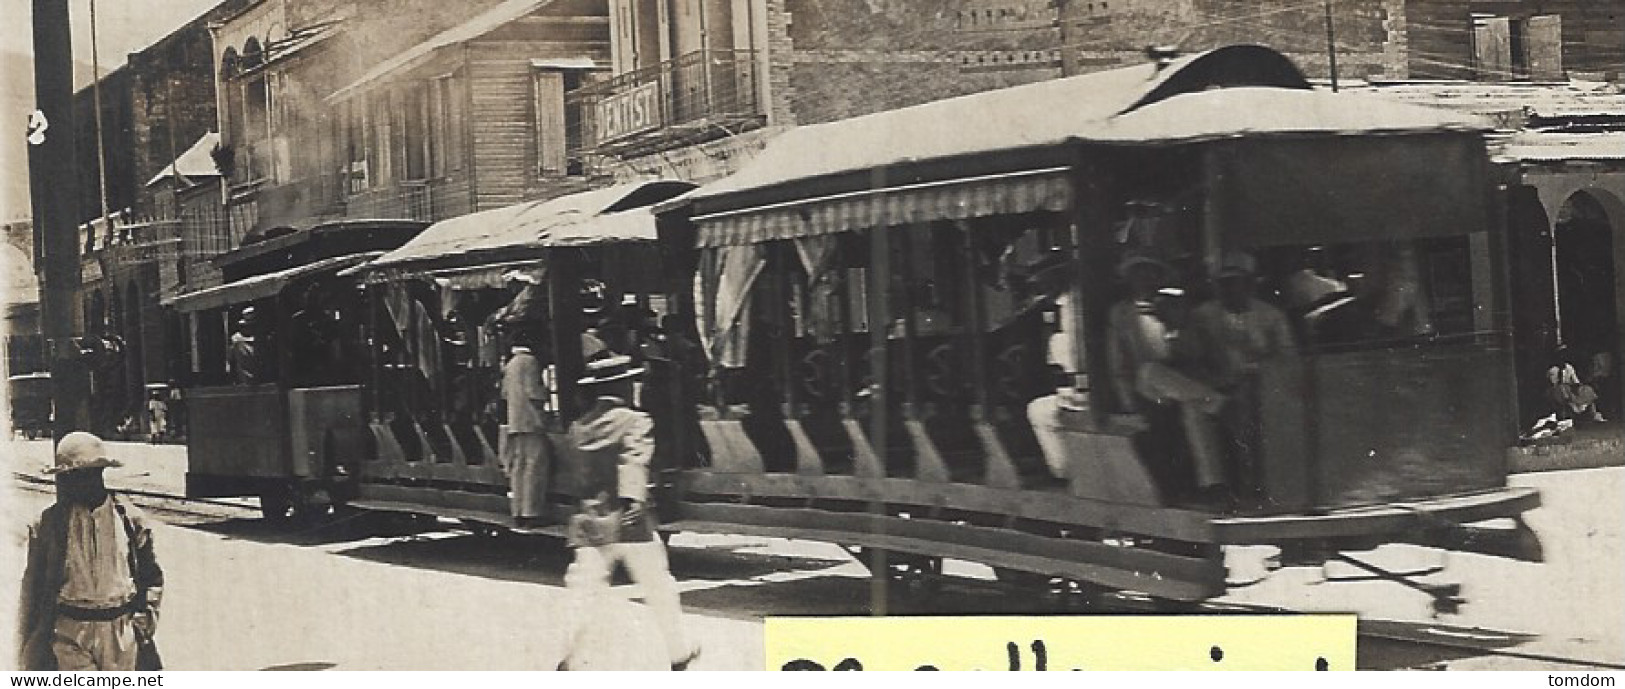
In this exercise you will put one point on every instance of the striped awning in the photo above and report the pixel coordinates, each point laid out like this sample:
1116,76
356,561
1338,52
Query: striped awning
1029,191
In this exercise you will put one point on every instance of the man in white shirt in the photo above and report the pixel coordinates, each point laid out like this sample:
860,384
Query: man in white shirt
92,585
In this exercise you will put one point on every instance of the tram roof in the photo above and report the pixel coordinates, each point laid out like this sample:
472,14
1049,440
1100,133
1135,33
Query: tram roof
1231,92
614,214
261,286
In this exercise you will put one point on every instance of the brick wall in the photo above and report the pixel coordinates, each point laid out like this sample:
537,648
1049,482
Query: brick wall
118,147
852,57
172,97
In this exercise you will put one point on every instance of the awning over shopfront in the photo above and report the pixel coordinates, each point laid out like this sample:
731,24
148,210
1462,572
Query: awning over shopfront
500,238
261,286
1229,93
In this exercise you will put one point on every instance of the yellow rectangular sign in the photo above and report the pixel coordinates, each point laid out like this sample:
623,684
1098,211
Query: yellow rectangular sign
1213,642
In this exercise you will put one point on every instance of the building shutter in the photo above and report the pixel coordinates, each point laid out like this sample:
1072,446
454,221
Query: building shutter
550,128
1543,47
1492,47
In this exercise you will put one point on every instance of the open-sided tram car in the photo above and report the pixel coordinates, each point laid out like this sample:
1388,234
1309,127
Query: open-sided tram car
857,324
277,361
883,299
447,306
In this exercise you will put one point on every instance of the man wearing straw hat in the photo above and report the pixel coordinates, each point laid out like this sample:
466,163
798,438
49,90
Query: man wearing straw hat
92,585
618,526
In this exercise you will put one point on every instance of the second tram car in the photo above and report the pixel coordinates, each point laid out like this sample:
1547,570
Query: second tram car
277,360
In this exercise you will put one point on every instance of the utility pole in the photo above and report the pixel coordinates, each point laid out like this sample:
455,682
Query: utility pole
1063,16
96,102
1331,45
55,192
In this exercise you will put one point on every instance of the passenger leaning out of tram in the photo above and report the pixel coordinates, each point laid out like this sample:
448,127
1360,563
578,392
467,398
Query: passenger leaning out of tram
1139,352
1224,344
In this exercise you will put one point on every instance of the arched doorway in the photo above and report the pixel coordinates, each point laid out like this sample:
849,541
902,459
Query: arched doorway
1587,294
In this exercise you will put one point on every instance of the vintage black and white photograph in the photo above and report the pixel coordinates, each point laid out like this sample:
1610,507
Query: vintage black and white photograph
592,334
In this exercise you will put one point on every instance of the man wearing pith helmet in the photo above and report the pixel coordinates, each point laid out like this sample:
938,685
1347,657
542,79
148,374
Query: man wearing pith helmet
617,527
92,586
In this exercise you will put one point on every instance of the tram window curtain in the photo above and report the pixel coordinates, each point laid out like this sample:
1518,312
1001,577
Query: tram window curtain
1331,189
723,297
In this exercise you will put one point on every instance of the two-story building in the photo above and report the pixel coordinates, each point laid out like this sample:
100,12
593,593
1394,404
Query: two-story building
342,110
474,117
153,108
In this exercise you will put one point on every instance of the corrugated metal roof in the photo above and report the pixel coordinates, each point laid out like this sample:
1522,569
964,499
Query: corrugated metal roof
1553,147
197,161
485,23
1573,99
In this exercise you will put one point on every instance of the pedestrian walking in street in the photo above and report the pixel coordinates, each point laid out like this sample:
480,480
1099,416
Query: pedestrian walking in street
157,416
617,527
524,453
92,585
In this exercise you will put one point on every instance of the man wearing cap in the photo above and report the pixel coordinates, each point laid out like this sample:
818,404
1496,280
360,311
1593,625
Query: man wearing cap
92,585
618,526
1227,340
524,453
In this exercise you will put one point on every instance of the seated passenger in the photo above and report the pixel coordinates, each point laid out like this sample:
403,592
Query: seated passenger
244,360
1311,285
1138,350
1227,341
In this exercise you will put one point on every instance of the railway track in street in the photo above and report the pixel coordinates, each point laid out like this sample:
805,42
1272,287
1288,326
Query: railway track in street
1431,644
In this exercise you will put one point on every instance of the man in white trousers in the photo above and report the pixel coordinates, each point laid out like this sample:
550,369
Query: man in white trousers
618,526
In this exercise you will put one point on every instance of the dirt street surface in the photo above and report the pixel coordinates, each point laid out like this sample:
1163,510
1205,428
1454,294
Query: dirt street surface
374,592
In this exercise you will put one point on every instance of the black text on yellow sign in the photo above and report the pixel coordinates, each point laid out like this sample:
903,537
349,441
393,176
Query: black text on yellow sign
1250,642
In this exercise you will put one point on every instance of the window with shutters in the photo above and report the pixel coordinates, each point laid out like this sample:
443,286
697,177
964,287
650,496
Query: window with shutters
1492,47
558,124
416,113
381,162
359,144
447,102
1543,48
550,127
1509,48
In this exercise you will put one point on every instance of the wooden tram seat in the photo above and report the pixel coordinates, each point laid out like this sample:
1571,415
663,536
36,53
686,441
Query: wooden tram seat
732,451
458,457
430,453
929,464
808,460
1102,462
389,448
489,456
